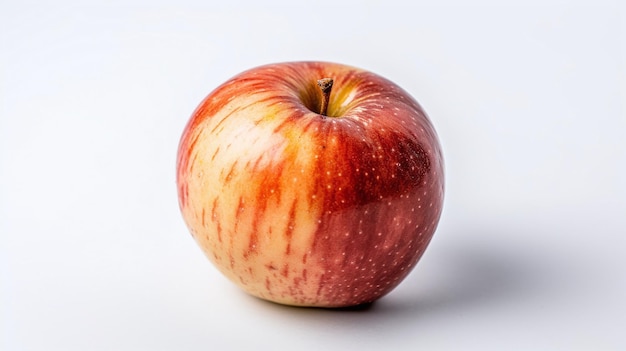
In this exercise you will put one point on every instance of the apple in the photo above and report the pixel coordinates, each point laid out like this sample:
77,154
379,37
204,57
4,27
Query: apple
311,183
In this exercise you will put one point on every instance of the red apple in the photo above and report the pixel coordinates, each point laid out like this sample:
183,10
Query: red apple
311,198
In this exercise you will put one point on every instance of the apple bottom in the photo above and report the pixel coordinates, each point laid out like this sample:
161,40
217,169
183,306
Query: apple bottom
325,259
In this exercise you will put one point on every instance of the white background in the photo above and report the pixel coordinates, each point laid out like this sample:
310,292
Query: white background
529,102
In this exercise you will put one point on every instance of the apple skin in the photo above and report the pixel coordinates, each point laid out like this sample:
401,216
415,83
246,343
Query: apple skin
304,209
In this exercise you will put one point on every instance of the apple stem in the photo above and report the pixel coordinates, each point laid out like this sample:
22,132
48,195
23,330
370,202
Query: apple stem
325,85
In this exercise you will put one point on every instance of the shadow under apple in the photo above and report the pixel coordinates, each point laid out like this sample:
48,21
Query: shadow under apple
462,277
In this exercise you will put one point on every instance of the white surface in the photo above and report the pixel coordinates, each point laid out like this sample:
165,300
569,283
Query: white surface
529,102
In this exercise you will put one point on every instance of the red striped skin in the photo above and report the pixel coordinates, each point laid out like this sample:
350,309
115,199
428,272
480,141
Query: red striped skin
304,209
